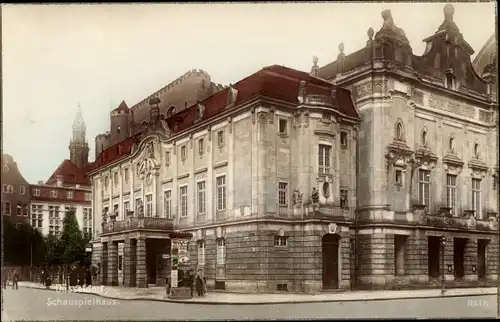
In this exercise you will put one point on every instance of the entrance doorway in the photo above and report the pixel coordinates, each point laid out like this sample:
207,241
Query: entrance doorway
330,254
482,245
151,261
434,256
459,256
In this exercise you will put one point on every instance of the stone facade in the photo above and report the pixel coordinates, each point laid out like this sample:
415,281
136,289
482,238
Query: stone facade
257,186
427,148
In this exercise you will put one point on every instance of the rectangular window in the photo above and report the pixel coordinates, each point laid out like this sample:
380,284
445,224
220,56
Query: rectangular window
167,158
88,196
220,138
201,146
25,211
125,174
324,158
424,185
115,210
53,194
11,188
221,193
200,187
476,197
126,207
70,194
19,209
201,252
137,206
168,204
5,188
22,190
451,193
283,127
184,201
106,182
36,192
183,153
280,240
7,208
343,139
221,251
149,205
283,194
115,178
398,177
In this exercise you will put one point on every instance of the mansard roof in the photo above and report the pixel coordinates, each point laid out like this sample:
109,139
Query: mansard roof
276,82
70,173
447,51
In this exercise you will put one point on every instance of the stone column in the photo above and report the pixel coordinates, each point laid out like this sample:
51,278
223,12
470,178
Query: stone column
127,263
104,264
112,263
141,271
470,260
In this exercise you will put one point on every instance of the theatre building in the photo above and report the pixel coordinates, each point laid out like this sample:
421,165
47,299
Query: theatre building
261,174
428,164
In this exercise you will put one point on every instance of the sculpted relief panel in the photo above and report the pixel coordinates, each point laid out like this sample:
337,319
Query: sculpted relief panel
458,108
366,88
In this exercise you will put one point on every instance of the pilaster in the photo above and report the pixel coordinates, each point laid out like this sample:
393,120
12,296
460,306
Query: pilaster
470,257
112,263
230,170
209,180
141,271
104,264
262,157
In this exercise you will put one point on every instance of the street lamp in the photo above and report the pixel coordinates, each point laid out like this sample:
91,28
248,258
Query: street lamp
443,243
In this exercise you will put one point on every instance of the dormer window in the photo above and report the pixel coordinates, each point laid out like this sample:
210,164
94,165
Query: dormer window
283,127
171,111
199,111
450,81
232,94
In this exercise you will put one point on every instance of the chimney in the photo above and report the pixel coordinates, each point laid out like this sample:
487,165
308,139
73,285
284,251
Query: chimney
59,180
41,183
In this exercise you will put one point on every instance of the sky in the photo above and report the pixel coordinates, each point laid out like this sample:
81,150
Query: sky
58,56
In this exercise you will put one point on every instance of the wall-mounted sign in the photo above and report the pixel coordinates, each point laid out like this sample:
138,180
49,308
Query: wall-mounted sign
165,256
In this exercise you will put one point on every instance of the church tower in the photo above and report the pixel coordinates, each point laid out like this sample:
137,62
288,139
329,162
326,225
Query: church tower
78,146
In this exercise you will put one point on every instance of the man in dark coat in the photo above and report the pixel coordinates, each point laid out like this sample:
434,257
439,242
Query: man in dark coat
199,283
15,279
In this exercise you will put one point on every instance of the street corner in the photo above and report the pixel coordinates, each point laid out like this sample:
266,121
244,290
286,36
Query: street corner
56,302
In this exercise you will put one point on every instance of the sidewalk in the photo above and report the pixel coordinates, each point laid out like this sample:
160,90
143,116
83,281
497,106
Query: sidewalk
158,294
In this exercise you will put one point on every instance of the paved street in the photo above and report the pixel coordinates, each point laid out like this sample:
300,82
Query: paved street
35,304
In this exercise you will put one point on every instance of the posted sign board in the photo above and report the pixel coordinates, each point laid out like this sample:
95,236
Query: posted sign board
174,278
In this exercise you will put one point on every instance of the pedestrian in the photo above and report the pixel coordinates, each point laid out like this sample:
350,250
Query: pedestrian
15,279
199,283
4,278
191,281
88,277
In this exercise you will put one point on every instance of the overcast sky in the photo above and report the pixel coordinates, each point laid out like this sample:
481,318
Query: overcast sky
56,56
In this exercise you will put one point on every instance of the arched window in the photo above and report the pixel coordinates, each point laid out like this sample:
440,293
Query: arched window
399,130
171,111
450,81
476,150
423,139
451,144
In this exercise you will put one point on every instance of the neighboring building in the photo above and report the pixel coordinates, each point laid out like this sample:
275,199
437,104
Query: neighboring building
427,164
68,188
185,91
262,174
486,56
15,192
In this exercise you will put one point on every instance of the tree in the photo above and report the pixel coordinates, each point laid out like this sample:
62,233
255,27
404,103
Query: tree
23,245
71,245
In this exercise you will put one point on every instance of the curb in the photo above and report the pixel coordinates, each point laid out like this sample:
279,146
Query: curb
271,302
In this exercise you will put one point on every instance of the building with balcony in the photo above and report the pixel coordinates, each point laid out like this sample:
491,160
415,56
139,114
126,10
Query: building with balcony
428,159
15,192
262,174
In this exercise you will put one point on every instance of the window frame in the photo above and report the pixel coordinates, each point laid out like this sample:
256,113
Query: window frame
221,193
425,185
476,197
167,203
201,246
324,159
183,201
201,203
282,126
148,209
220,138
221,251
283,193
451,192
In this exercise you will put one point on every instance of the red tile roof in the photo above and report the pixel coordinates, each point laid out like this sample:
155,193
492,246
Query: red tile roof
61,194
275,81
71,174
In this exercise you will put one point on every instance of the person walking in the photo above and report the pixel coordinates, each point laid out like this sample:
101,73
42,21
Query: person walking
15,279
199,283
191,281
5,277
